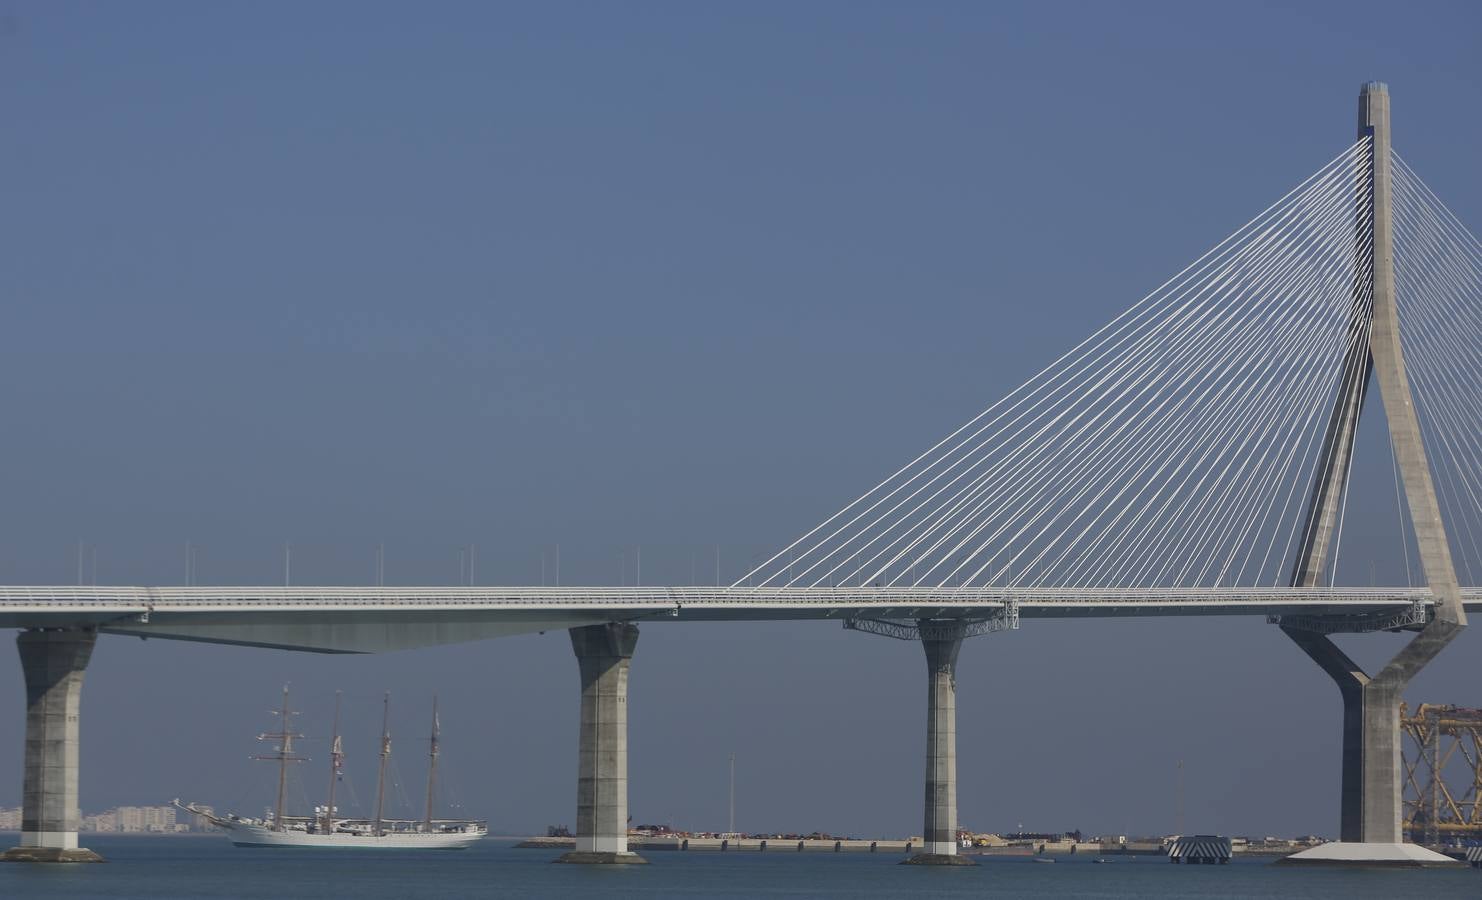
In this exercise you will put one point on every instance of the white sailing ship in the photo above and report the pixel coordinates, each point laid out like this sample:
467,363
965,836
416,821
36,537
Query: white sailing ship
326,827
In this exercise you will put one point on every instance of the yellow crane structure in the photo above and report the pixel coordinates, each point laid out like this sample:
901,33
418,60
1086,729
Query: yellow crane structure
1441,739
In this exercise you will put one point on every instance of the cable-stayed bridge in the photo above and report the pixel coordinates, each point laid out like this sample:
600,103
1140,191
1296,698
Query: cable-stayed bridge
1191,457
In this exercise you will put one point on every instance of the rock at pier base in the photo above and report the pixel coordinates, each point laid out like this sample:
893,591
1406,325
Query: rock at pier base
938,859
1356,855
50,855
587,858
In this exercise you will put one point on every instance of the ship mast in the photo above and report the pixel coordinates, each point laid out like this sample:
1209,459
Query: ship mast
431,768
283,755
336,762
385,755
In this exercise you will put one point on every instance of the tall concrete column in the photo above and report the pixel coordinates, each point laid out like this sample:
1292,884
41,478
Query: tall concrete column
1370,786
52,663
604,654
939,834
1370,831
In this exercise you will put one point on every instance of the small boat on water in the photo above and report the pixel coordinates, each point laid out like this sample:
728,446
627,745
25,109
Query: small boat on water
326,828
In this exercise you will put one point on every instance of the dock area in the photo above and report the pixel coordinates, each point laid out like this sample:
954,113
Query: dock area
739,845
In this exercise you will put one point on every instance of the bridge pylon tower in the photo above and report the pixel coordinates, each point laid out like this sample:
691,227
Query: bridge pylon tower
1370,822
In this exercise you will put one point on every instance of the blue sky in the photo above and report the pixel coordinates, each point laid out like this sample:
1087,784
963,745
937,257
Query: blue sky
662,274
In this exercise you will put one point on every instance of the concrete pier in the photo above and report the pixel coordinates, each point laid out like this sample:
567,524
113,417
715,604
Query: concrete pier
939,839
1370,833
604,654
1370,807
52,662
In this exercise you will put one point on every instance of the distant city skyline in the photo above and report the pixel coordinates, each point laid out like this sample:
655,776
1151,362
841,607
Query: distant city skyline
156,819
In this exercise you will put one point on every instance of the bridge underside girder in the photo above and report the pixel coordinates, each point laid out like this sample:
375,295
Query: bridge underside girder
350,633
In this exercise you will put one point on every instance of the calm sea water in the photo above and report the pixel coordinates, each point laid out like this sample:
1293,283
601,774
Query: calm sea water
209,867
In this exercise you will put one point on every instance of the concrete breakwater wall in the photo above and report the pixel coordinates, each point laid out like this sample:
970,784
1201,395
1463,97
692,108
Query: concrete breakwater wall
740,845
784,845
1042,848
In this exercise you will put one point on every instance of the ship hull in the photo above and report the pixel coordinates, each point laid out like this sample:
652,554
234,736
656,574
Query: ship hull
244,835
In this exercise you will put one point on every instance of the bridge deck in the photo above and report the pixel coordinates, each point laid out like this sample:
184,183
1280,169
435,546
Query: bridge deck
369,619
